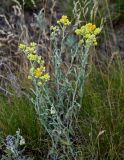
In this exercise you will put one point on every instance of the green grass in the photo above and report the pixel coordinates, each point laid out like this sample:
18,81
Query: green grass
102,115
18,112
120,5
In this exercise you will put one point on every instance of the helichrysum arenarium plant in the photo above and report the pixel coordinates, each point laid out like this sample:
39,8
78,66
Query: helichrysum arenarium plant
58,95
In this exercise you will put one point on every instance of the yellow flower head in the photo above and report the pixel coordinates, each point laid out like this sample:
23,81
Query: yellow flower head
91,27
30,77
78,31
33,44
97,31
22,46
38,72
53,28
64,21
88,33
45,77
42,68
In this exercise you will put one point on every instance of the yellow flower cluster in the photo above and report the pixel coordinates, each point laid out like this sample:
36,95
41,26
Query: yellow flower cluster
54,31
37,73
31,52
88,33
53,28
64,21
